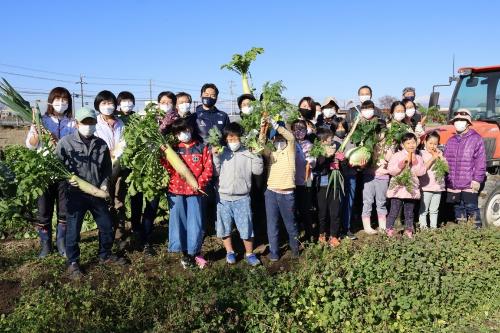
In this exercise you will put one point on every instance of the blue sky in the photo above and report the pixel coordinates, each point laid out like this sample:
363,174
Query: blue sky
318,48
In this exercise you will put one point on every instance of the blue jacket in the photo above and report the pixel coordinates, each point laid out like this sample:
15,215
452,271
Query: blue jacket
205,120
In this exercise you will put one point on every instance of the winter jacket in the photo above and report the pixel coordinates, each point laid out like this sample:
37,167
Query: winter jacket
198,159
428,182
395,169
379,163
206,119
92,164
235,170
467,160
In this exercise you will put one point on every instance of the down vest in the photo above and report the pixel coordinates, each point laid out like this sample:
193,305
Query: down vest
467,160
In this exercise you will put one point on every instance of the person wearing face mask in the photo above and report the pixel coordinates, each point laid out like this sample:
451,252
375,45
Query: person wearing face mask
59,123
307,110
245,104
413,118
183,109
89,158
185,230
304,164
235,167
365,94
208,115
279,196
328,114
399,115
110,128
466,158
409,93
125,105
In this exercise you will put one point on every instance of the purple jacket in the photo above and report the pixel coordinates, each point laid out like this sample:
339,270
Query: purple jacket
467,160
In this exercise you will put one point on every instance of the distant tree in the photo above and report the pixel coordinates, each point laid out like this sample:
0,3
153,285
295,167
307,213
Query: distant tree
386,101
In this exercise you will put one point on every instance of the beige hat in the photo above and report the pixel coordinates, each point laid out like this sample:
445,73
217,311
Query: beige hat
462,114
330,100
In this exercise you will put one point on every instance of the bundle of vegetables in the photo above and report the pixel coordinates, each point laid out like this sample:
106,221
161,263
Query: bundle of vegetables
317,149
440,168
395,133
404,179
432,114
364,136
240,63
251,141
215,139
21,108
143,152
35,171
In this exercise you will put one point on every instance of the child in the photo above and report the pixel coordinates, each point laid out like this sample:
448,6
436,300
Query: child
465,153
375,184
329,199
279,196
235,167
304,164
430,186
185,232
59,123
88,157
400,195
110,128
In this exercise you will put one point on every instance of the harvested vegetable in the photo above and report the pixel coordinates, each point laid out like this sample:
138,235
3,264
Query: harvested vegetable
432,114
395,132
365,137
215,139
358,154
440,168
317,149
240,63
404,179
251,141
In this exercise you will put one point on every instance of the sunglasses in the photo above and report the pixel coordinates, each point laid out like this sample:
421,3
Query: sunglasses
461,113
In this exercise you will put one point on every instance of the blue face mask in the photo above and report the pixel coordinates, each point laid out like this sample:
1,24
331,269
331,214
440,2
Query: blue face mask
208,101
411,98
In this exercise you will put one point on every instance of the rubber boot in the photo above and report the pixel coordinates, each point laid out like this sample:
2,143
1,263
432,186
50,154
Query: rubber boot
45,244
60,237
382,223
367,227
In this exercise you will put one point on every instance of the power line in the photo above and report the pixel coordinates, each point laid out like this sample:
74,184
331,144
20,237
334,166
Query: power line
38,70
36,77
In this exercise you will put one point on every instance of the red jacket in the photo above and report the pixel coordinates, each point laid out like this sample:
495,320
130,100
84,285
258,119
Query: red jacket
198,159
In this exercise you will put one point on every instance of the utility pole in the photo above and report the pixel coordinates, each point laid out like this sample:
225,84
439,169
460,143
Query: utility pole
231,85
150,90
81,87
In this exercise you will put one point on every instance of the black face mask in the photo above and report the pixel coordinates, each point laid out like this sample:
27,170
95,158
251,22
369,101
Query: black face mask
340,134
208,101
307,114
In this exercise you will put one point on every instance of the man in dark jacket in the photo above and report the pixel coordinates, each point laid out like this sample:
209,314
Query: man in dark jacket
88,157
207,114
365,94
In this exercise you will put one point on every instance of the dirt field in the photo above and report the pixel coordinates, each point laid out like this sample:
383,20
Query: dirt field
12,135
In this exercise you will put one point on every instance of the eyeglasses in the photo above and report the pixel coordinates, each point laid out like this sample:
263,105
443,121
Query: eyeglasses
461,113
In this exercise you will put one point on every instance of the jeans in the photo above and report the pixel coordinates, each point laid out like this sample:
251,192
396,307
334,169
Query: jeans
238,211
350,192
328,212
185,229
78,204
408,206
281,204
429,205
468,207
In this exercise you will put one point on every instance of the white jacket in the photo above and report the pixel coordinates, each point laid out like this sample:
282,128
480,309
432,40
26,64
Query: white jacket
112,135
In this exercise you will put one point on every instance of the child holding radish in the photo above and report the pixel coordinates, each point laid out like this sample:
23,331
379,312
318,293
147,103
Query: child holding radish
279,196
89,158
110,128
59,123
405,167
185,232
432,183
235,166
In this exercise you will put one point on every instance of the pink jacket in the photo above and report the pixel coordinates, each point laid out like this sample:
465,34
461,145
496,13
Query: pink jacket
395,169
380,158
428,182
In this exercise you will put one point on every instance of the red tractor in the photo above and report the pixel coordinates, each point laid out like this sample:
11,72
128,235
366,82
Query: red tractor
478,90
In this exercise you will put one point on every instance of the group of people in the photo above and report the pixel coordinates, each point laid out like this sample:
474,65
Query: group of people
241,186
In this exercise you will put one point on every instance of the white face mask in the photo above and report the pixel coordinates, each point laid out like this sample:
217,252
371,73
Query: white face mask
399,116
184,137
166,107
126,106
234,146
364,98
60,107
460,125
183,108
410,112
247,109
280,145
86,130
107,109
328,113
367,113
